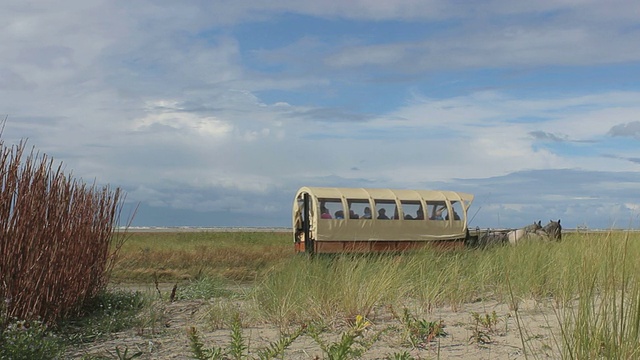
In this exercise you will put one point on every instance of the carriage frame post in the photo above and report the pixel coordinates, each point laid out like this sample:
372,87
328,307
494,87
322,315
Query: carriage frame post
308,243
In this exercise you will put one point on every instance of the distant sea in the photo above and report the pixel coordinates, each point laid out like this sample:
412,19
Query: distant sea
279,229
203,229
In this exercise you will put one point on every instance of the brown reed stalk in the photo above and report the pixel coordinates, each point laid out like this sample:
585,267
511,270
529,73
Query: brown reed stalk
55,237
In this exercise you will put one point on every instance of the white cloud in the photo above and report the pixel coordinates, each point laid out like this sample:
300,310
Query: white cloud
167,115
163,97
635,207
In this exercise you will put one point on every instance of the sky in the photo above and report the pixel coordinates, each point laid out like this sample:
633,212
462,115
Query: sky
214,113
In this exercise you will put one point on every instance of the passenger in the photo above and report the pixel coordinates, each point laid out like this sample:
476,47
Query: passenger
382,215
455,216
353,215
339,214
325,214
437,214
323,207
367,213
419,215
408,217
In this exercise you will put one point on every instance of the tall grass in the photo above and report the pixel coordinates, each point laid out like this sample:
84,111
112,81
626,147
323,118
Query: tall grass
604,320
345,285
55,236
325,289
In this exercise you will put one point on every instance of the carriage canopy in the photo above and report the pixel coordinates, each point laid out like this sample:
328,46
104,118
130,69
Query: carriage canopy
367,214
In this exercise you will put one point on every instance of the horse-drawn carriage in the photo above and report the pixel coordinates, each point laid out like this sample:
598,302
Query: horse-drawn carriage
333,220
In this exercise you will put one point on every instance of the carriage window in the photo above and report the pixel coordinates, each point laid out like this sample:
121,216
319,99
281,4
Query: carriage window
456,211
385,210
331,209
300,207
359,209
412,210
436,210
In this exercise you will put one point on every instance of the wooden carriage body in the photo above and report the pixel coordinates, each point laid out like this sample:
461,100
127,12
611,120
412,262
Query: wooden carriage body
333,220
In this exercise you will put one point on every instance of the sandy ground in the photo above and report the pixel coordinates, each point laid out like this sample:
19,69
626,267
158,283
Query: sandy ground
466,337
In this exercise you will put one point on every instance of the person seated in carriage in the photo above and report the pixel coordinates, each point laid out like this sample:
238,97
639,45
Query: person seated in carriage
455,215
437,213
382,214
367,213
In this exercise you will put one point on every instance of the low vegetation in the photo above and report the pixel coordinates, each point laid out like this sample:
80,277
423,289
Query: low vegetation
589,280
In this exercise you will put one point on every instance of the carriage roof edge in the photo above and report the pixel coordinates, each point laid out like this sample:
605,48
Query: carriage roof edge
385,193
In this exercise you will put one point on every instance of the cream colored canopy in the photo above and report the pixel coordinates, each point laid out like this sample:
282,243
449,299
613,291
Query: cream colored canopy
378,230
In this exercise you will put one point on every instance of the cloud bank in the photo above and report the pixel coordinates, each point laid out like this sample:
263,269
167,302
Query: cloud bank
214,113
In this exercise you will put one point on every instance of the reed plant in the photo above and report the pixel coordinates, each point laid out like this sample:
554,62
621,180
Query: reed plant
56,234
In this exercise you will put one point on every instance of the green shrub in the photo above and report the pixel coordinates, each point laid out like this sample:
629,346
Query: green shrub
29,340
352,344
103,315
203,288
420,331
238,348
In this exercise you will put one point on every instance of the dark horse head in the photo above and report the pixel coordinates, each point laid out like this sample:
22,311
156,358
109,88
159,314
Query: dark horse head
553,229
532,228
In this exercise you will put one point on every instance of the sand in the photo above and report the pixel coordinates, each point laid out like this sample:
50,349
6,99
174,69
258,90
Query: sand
466,338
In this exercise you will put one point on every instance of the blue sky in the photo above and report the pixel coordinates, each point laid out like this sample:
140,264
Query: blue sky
213,113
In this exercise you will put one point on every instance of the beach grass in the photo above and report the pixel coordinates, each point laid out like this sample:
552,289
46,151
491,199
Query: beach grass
588,280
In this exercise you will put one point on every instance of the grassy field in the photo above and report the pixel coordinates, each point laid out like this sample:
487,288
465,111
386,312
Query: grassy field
582,292
179,256
591,278
535,269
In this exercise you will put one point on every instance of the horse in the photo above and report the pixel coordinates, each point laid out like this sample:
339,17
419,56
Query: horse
531,228
531,231
501,237
535,231
553,230
492,237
